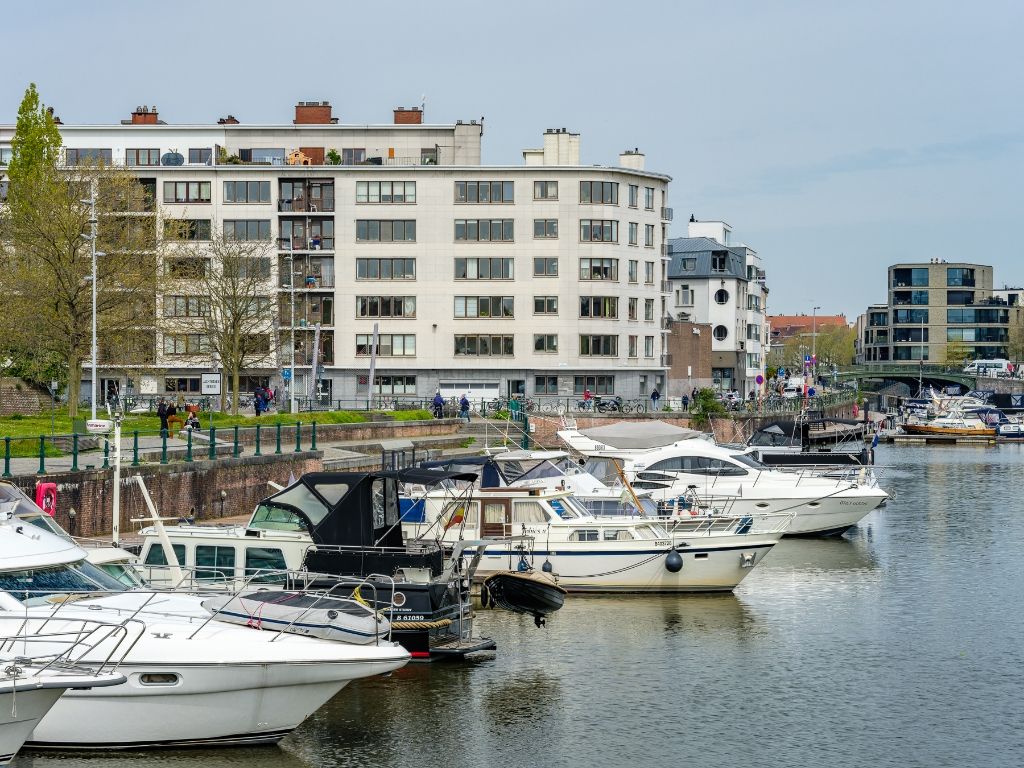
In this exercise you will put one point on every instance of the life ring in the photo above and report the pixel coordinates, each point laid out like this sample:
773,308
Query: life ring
46,498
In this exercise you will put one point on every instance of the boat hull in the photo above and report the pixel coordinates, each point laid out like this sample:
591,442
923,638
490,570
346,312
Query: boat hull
929,429
20,713
525,593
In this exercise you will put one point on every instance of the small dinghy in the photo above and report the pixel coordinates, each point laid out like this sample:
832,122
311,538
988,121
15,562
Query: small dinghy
524,592
301,613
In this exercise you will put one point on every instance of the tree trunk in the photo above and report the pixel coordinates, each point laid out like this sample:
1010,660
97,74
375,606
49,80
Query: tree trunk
234,385
74,385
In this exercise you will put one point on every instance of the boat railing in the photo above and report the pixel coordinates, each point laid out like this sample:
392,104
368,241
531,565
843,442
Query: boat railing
68,645
732,524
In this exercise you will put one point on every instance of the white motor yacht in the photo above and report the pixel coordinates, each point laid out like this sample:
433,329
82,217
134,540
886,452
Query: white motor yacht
191,679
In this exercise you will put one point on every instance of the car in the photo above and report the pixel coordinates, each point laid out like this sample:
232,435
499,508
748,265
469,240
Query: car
791,392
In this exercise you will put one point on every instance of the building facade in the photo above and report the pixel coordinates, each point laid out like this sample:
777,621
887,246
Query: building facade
544,278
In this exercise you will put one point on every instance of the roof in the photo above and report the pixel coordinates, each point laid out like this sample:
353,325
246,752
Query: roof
802,321
700,250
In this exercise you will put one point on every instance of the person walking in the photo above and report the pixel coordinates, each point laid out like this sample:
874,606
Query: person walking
438,405
693,395
588,399
655,397
161,412
464,407
171,415
686,402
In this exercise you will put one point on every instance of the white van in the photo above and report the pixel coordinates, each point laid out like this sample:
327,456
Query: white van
994,368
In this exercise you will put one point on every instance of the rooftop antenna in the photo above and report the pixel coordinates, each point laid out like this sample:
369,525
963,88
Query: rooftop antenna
423,103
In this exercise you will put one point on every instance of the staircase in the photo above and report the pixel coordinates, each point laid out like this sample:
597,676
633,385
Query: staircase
18,396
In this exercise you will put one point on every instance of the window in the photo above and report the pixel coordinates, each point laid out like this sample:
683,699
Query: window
599,346
385,306
484,230
484,192
83,156
631,346
719,262
599,269
917,316
633,229
754,302
182,384
353,156
649,198
186,344
261,563
599,385
633,267
910,277
156,556
649,272
388,345
648,346
215,563
387,384
201,156
649,235
545,305
545,385
186,306
684,296
721,332
648,309
187,191
973,315
482,268
246,229
688,265
385,269
721,296
246,191
484,346
959,297
599,231
545,190
545,342
632,315
142,157
545,267
187,268
484,306
187,229
385,191
545,228
386,230
634,195
960,276
262,155
599,306
599,192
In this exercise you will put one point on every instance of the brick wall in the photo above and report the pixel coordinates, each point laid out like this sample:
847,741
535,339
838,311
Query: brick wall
17,396
410,116
313,113
368,431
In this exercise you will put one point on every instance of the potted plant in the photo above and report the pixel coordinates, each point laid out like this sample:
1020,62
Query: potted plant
333,158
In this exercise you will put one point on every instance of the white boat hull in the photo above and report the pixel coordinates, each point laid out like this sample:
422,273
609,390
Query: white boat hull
20,713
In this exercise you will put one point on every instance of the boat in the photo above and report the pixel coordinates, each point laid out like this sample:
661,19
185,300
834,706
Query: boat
193,680
526,591
958,422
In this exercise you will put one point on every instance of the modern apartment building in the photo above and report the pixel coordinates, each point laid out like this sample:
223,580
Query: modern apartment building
933,304
713,281
543,278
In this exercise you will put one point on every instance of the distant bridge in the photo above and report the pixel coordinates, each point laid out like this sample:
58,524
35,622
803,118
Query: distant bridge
908,373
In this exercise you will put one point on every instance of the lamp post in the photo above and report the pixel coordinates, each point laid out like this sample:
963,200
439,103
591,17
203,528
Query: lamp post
91,237
291,284
814,344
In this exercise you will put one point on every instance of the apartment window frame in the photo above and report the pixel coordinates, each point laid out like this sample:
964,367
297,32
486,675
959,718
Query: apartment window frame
634,195
195,230
385,230
648,198
232,188
386,344
385,307
599,307
369,266
545,305
544,384
141,157
542,190
634,233
545,266
474,344
200,156
599,231
649,272
599,192
484,192
604,269
183,344
474,230
88,155
598,384
484,307
185,192
384,192
599,345
545,343
545,229
470,268
648,235
254,230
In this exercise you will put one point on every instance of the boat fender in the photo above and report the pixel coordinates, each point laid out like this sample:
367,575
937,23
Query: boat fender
485,595
523,566
673,562
547,567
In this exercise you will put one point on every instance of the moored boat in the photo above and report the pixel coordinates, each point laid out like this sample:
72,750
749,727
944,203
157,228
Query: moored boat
526,591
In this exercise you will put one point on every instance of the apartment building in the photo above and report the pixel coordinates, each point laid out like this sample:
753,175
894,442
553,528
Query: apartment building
716,282
543,278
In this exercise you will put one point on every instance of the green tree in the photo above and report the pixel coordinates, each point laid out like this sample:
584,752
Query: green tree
704,407
957,354
35,148
1015,342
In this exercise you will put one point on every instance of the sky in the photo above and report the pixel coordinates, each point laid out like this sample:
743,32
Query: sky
835,138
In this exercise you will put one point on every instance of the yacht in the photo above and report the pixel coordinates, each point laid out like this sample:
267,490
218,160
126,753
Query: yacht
983,421
191,679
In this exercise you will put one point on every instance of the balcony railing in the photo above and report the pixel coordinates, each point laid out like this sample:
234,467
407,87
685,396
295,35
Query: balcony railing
666,361
666,286
307,283
305,243
666,214
307,205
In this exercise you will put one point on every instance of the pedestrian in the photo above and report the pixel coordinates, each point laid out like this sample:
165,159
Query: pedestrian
172,416
438,405
464,407
655,397
693,395
161,412
588,399
686,402
257,401
277,395
751,396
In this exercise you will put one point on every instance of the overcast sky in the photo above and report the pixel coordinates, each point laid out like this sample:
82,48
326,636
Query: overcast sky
836,138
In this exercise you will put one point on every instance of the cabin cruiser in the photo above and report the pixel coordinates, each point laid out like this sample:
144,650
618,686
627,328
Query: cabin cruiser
597,554
981,421
677,471
191,679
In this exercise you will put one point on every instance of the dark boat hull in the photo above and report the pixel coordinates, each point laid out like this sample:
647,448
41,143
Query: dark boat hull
525,593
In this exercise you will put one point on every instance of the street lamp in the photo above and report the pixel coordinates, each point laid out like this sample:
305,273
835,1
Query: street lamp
291,284
91,237
814,345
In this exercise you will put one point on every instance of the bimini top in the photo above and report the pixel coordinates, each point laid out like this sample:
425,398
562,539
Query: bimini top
23,544
639,435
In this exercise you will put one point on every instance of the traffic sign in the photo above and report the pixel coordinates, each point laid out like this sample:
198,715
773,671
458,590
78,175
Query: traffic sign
759,379
810,391
286,374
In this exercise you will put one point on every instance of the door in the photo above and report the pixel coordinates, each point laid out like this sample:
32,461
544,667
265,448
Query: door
497,518
516,388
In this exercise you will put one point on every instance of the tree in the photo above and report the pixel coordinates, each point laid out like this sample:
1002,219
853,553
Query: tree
1015,340
218,300
46,265
957,353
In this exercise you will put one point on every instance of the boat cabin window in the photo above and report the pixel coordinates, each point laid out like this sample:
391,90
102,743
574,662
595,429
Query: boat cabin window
332,492
454,513
541,470
569,508
34,586
303,499
584,534
215,563
264,564
155,555
697,465
384,501
124,573
747,460
611,507
269,517
603,469
619,534
44,521
528,512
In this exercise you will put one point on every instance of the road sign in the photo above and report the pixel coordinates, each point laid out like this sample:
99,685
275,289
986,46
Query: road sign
759,379
210,384
810,391
286,374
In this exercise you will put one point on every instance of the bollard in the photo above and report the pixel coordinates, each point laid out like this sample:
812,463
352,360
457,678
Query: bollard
257,451
188,446
42,455
312,439
236,449
213,442
163,448
106,453
7,457
74,453
298,437
278,439
135,448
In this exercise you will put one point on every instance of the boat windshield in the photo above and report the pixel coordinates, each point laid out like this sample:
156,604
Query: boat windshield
270,517
35,585
568,508
603,469
541,470
747,460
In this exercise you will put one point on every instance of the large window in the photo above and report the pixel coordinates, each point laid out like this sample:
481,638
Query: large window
545,266
599,192
264,564
907,277
649,198
545,305
187,229
649,309
142,157
484,192
87,156
901,298
186,306
545,190
649,235
482,268
634,195
545,385
979,315
599,269
484,346
215,563
353,155
182,384
649,272
545,228
599,231
200,156
959,297
599,346
246,191
648,346
187,191
917,316
385,269
386,384
484,306
598,385
385,191
633,230
186,344
385,306
386,230
388,345
247,229
545,342
960,276
599,306
485,230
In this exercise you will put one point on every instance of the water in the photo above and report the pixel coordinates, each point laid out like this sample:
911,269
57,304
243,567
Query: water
899,645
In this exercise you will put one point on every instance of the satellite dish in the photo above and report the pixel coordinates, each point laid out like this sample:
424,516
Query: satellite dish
172,158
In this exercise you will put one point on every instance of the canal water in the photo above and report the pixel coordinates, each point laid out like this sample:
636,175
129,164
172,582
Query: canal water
901,644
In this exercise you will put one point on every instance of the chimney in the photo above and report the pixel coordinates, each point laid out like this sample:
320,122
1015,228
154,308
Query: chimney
633,159
314,113
144,116
408,116
229,120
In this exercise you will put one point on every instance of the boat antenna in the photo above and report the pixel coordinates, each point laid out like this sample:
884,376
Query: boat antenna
627,485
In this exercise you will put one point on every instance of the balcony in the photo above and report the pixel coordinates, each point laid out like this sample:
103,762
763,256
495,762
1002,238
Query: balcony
305,244
664,249
306,205
666,214
666,361
666,286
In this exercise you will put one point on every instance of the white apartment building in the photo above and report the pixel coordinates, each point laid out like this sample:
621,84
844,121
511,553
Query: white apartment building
715,281
543,278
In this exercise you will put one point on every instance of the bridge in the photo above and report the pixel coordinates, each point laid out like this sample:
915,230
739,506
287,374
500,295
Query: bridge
909,374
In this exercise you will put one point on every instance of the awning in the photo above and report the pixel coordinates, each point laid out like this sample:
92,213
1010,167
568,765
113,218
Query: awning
639,434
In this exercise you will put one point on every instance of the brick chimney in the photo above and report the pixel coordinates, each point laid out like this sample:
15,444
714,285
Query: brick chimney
229,120
408,116
144,116
313,113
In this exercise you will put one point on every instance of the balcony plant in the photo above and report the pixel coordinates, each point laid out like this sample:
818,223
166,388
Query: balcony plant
332,157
